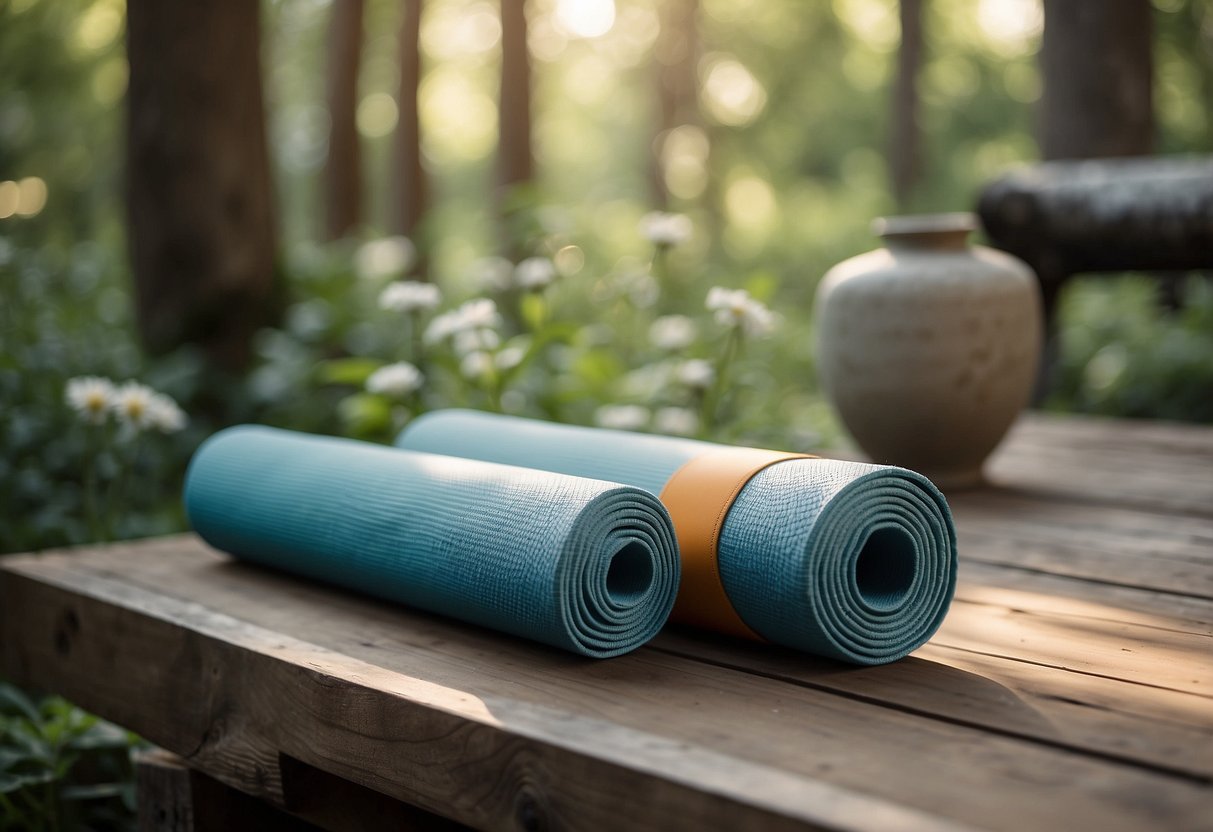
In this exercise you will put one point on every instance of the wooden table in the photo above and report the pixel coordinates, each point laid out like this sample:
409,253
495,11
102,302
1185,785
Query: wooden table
1071,686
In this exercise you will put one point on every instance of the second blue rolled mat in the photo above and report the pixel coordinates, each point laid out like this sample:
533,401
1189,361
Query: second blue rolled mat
848,560
586,565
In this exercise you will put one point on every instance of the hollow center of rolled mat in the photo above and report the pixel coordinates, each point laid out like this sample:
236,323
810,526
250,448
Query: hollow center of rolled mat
630,573
884,570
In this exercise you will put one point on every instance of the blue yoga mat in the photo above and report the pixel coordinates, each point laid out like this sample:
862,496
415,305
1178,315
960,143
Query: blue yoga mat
848,560
586,565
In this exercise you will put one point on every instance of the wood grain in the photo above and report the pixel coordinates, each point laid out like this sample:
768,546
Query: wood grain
1150,466
474,725
1097,543
524,744
1070,685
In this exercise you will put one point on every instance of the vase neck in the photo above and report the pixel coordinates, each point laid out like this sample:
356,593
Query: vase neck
933,232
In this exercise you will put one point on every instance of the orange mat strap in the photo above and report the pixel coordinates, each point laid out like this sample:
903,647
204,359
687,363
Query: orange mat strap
699,497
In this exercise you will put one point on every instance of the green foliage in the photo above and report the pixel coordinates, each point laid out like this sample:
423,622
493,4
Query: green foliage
1123,354
61,768
65,313
781,178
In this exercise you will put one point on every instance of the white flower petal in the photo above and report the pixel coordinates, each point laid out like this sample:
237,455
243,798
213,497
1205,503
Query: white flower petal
664,229
397,379
672,332
622,416
409,296
534,273
387,257
132,404
91,397
697,373
678,421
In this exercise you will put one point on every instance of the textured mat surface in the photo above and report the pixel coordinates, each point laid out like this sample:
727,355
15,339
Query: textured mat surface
586,565
842,559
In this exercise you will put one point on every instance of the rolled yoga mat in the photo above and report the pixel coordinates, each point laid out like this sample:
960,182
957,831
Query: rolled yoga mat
841,559
581,564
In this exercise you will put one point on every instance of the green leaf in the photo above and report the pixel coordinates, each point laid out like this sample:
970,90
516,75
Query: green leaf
762,285
10,757
94,791
353,371
533,307
13,700
597,367
99,735
10,783
365,414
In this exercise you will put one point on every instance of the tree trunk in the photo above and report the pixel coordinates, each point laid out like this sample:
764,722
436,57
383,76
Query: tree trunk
676,54
905,154
200,208
515,162
410,188
1097,67
343,167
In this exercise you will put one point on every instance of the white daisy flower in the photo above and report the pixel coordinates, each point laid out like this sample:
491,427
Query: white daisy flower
480,313
677,421
132,403
91,397
493,274
476,340
475,314
409,296
442,327
662,229
534,274
386,257
476,365
697,373
622,416
164,415
396,380
735,308
672,332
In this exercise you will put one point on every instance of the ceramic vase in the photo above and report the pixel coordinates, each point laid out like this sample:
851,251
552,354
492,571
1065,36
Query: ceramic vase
928,347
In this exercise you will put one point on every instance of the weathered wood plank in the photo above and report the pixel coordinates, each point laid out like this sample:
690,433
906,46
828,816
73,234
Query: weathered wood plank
1100,543
512,751
1164,730
1146,465
174,798
680,742
1102,435
1031,691
1065,595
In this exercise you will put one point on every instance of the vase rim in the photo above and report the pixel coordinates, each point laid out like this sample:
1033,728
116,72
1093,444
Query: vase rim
916,225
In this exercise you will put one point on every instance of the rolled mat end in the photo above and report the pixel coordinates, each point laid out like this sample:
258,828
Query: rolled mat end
877,568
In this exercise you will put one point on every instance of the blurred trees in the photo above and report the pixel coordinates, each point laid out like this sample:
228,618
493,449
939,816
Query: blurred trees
1097,64
676,54
904,138
410,185
515,159
343,165
790,148
201,228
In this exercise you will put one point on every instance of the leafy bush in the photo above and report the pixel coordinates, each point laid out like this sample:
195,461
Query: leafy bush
61,768
67,313
1123,354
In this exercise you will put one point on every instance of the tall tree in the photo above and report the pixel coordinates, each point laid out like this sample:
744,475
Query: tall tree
410,187
343,166
676,55
515,160
905,137
1097,66
202,232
